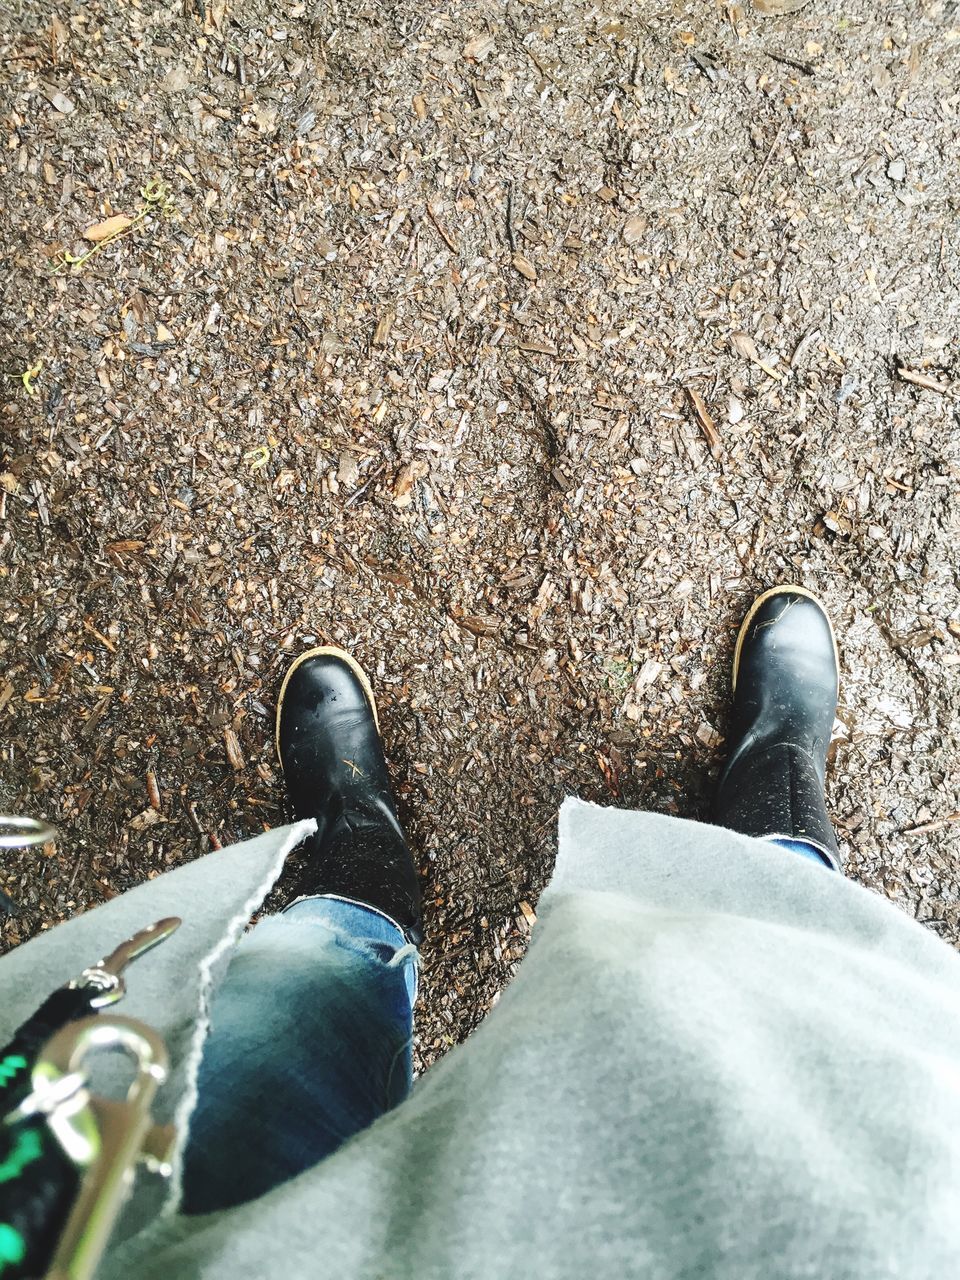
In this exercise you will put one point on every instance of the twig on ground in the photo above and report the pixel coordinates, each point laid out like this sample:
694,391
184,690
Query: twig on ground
937,824
769,156
807,68
922,379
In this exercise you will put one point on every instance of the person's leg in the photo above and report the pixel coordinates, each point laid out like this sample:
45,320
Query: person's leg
310,1042
311,1030
785,683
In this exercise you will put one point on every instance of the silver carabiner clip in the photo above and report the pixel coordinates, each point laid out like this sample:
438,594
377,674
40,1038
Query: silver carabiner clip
104,1138
106,976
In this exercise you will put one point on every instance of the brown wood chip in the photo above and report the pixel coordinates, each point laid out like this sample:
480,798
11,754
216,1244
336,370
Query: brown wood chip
232,744
109,227
707,424
526,269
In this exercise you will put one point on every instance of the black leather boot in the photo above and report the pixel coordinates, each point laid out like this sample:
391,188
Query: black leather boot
785,681
328,740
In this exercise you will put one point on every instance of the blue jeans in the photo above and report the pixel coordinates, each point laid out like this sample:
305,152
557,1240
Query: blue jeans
295,1065
802,847
284,1081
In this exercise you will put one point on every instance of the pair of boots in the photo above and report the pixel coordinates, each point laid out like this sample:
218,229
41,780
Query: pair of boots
785,678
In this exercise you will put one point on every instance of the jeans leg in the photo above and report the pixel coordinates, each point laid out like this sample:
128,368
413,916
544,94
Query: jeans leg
802,847
310,1042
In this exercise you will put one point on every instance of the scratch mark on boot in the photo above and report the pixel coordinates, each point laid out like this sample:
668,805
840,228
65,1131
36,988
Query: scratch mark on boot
772,622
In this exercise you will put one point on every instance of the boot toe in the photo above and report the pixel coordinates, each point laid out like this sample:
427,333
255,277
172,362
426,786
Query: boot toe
787,634
325,697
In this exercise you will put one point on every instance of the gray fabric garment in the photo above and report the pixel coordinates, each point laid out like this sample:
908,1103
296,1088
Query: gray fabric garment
717,1060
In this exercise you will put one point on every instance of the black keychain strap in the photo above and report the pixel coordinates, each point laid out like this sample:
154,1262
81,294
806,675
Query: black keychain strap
65,1005
38,1180
38,1184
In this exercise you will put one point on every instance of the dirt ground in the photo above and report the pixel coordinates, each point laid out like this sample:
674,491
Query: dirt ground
513,346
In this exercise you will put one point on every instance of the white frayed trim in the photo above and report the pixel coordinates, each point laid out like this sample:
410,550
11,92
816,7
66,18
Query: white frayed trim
228,939
405,951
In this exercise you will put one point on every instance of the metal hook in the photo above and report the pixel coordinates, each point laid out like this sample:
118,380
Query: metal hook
106,975
103,1137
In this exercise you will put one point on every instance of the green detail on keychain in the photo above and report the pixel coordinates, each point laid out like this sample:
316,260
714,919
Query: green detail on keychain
10,1067
13,1247
27,1150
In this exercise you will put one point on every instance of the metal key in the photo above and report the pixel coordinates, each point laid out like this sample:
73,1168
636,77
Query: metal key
106,976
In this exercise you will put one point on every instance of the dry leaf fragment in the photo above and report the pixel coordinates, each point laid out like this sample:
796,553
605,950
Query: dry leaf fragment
635,228
745,346
164,334
149,818
479,47
773,8
419,106
59,35
109,227
540,347
837,523
403,485
478,625
61,103
266,117
526,269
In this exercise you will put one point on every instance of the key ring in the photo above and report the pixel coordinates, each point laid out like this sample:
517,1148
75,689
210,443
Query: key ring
24,833
21,833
